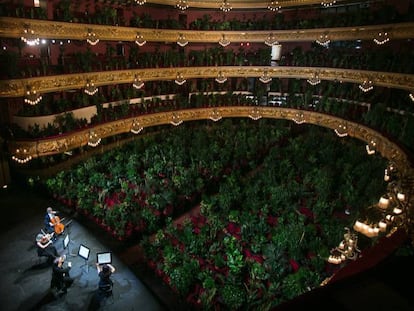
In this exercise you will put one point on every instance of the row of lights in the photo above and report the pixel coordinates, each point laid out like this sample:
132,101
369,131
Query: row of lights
33,98
341,130
392,211
22,156
346,250
93,39
182,41
327,4
392,208
225,6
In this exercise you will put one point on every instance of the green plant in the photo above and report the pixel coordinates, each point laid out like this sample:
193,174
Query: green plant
233,296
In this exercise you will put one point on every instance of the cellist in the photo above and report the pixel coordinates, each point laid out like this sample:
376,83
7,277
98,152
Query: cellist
52,222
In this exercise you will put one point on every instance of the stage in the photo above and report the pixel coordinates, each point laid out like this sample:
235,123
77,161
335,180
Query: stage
25,277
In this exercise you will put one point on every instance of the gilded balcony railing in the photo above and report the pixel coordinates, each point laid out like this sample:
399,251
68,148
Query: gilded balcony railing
69,141
47,84
17,27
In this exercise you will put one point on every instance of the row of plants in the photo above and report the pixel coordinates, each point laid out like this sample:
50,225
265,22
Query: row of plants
264,237
150,180
341,55
315,19
339,99
113,14
345,55
272,197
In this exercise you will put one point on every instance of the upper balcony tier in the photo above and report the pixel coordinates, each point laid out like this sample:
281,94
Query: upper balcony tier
33,29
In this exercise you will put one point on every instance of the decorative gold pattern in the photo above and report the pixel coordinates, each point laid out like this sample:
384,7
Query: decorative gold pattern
14,28
75,140
46,84
239,4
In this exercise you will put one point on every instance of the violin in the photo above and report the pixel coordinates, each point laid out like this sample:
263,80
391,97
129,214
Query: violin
47,236
57,225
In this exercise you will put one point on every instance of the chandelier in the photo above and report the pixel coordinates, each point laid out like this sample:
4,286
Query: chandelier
346,250
94,140
366,86
182,5
381,38
341,130
299,118
314,80
370,147
136,128
265,78
221,78
181,41
323,40
32,97
176,120
274,6
180,79
139,39
271,40
225,6
255,114
29,37
215,115
223,41
90,88
21,156
138,83
327,4
91,37
140,2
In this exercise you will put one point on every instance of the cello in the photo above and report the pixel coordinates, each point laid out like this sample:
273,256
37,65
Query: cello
57,225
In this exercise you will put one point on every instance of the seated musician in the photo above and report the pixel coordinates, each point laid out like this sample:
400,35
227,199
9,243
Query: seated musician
104,272
105,283
45,246
49,225
52,223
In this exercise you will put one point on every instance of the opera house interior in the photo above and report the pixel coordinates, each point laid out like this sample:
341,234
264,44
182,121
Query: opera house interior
221,154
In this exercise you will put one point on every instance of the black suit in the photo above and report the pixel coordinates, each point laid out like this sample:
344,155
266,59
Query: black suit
61,278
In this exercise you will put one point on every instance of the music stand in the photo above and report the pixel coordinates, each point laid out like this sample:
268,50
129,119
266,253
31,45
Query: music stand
84,253
104,258
66,244
68,228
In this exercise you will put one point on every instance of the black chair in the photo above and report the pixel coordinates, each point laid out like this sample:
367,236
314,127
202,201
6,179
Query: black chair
42,259
105,291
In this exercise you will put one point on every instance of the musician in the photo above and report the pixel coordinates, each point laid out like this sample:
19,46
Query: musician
53,223
61,279
45,246
104,286
49,225
105,283
104,272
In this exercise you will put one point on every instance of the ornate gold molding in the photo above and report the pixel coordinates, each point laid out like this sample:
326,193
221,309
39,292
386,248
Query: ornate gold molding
14,28
241,4
47,84
69,141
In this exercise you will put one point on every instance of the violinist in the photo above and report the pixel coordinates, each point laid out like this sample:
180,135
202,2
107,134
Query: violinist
45,246
60,274
52,222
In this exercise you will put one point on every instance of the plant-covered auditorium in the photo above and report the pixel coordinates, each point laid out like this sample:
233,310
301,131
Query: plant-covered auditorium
220,154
